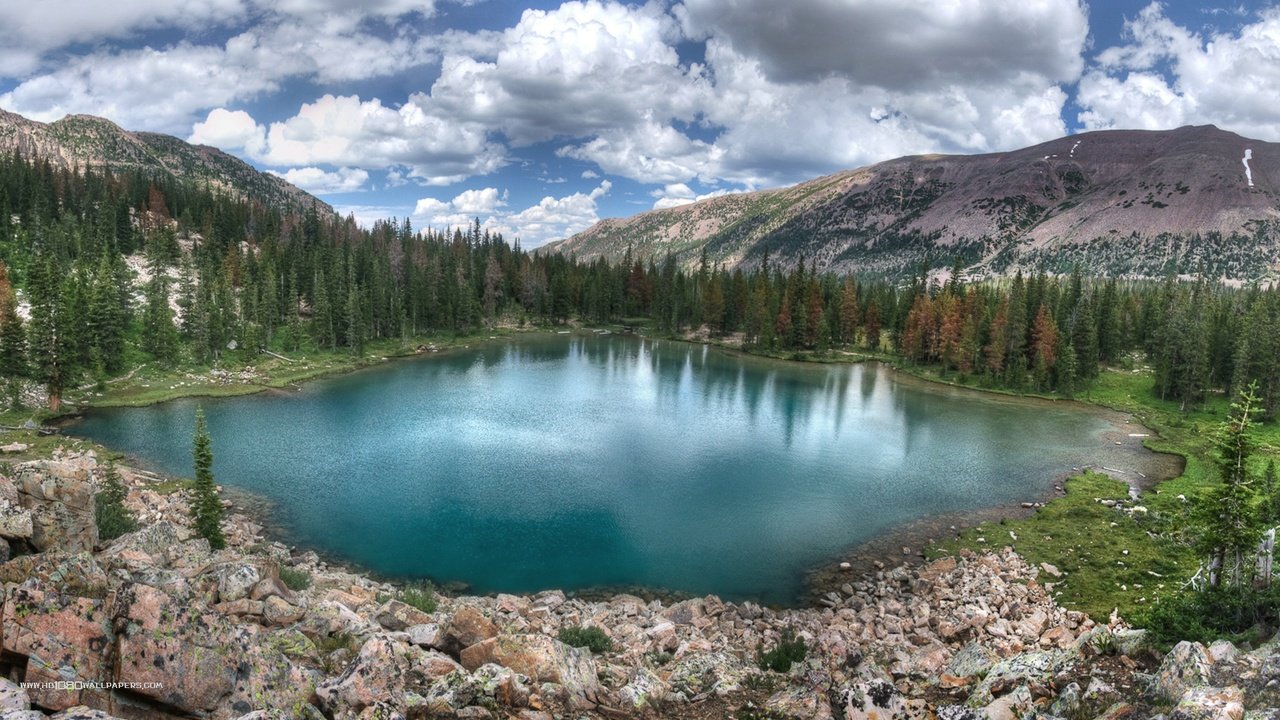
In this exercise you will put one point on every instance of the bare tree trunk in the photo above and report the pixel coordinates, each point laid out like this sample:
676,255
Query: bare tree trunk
1215,567
1266,558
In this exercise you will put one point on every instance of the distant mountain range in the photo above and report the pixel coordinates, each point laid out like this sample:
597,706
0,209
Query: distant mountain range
1115,202
79,141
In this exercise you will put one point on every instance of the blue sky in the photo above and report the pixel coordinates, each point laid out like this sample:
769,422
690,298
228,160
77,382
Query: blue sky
540,118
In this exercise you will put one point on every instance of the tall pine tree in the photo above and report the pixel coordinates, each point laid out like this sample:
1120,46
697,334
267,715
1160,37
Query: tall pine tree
206,506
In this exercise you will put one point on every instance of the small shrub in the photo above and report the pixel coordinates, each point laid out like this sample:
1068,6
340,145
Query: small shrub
790,649
422,597
592,638
761,682
659,658
334,642
295,579
1212,614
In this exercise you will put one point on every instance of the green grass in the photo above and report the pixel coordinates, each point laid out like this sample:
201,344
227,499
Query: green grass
295,579
1087,541
422,597
592,638
789,650
151,383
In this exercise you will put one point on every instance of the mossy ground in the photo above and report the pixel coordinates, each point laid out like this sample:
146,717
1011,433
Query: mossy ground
1116,558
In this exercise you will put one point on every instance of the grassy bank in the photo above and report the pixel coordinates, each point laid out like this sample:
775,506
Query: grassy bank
1123,554
150,384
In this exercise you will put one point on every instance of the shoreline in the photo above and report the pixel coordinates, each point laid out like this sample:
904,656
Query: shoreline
905,543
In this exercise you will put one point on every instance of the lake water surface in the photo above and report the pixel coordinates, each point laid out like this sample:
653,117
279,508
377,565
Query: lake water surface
586,461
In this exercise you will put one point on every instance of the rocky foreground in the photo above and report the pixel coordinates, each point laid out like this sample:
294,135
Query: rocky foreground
154,625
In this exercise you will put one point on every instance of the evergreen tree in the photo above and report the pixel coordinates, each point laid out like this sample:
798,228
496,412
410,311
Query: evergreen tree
1229,520
1270,509
113,518
45,342
13,342
159,335
206,505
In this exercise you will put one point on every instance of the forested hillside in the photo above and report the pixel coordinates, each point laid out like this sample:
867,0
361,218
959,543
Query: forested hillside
104,271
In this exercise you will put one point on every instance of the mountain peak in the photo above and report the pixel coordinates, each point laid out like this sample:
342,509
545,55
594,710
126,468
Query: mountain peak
1115,202
78,141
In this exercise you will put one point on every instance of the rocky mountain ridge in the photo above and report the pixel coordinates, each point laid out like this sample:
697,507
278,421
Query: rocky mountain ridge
1115,202
80,141
155,625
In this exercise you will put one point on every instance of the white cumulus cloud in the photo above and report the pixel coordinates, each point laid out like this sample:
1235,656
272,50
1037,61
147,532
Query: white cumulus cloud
1166,75
316,180
550,219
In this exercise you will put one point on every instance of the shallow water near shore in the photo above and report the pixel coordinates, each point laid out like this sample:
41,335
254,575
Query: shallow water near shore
585,461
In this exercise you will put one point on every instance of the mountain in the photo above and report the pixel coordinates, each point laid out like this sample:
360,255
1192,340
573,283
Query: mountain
1115,202
88,141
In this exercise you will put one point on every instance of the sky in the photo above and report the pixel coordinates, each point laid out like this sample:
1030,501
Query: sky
540,118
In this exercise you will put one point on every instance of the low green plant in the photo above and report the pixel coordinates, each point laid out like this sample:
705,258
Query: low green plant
1212,614
592,638
337,641
421,596
761,682
295,579
790,649
659,658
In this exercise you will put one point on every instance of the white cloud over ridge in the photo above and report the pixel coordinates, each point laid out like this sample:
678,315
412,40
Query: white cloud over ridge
316,180
550,219
1227,79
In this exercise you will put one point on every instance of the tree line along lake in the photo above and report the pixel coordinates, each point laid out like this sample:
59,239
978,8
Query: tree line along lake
585,461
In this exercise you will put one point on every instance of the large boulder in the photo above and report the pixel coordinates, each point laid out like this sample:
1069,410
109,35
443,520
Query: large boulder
543,659
59,496
59,618
1186,666
178,654
466,628
384,670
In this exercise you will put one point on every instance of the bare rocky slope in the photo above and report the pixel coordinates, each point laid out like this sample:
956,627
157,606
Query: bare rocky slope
1116,202
155,625
81,141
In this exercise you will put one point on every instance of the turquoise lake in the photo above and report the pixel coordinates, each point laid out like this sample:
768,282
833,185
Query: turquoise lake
586,461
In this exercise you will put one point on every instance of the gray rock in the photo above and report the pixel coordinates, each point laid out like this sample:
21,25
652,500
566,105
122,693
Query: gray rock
972,660
1210,703
643,691
1038,667
1186,666
425,635
13,697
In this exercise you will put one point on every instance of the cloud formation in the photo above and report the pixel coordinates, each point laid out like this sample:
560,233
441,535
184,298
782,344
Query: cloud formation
550,219
315,180
1167,75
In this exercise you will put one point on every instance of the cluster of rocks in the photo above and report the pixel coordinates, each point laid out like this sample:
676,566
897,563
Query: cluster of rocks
156,625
